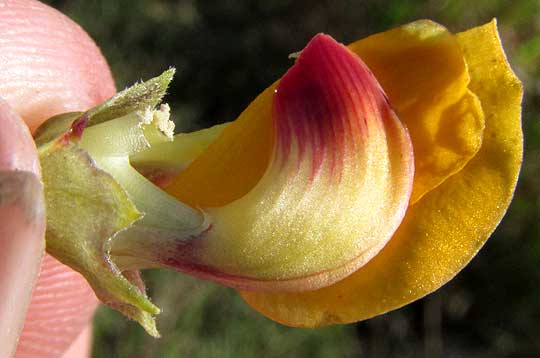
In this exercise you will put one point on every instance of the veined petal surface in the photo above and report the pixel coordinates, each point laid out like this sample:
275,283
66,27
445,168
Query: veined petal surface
336,187
443,231
421,67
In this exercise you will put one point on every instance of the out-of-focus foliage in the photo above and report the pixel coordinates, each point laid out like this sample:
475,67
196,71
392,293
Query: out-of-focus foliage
226,52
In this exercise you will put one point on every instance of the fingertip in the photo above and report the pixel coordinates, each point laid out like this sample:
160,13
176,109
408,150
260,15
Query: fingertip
22,217
17,148
62,306
82,346
49,63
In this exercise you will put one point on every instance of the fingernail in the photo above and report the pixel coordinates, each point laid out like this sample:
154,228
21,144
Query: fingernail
22,225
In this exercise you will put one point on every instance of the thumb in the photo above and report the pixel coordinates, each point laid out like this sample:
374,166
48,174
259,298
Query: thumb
49,65
22,225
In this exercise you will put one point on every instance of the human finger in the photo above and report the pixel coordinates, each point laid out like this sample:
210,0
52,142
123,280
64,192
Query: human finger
49,66
22,224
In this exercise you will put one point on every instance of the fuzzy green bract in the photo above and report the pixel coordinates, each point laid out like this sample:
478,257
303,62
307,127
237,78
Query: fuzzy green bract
87,207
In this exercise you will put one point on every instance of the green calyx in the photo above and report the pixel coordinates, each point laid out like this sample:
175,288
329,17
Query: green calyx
94,196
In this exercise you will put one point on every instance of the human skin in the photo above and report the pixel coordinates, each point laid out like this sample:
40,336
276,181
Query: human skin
48,65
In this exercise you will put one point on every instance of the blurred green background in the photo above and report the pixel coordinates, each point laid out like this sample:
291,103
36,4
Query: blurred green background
226,52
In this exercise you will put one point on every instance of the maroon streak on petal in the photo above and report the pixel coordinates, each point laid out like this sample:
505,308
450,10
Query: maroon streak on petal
325,104
77,128
335,190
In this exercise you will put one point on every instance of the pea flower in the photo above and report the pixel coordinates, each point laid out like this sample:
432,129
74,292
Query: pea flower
364,179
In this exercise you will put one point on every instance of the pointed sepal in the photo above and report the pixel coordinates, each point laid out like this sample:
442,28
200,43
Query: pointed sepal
86,206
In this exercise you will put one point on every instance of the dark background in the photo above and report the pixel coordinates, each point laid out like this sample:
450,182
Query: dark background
226,52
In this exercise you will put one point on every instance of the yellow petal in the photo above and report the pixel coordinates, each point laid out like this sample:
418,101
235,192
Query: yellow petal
167,159
336,188
421,68
444,230
230,167
422,56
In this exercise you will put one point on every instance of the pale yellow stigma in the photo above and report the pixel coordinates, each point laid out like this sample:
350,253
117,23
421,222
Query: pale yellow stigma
160,118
